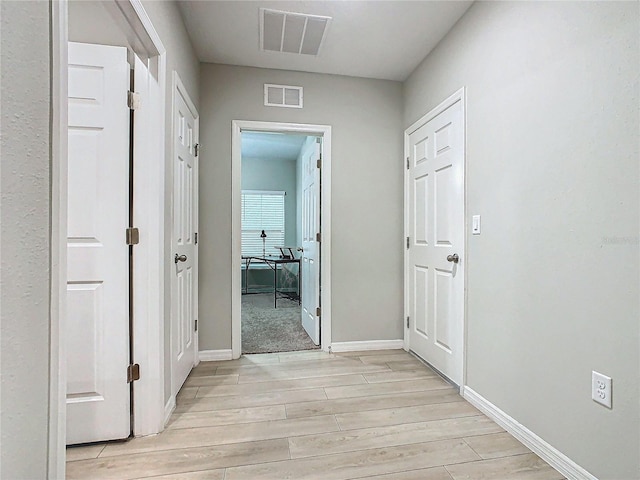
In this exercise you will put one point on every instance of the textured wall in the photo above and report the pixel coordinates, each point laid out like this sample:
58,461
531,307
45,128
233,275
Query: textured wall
365,116
25,221
552,162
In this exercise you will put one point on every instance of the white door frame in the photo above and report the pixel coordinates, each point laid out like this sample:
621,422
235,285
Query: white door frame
236,222
178,88
459,95
149,262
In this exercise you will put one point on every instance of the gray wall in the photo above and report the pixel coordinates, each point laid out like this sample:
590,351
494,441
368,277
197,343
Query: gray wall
93,22
25,221
552,162
276,175
167,21
367,193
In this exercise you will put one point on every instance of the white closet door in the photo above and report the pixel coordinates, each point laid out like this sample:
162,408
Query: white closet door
97,330
436,232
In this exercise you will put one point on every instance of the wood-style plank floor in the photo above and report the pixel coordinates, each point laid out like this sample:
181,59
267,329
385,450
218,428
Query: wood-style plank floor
312,415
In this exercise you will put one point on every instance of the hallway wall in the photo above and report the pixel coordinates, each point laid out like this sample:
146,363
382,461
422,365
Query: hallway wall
365,116
26,243
552,167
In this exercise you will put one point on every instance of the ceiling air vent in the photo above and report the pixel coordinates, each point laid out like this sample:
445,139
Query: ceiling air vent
292,32
282,96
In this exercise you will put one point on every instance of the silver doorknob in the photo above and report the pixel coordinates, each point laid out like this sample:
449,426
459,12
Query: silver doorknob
180,258
453,258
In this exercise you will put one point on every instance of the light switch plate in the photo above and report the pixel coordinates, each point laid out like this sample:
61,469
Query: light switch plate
475,225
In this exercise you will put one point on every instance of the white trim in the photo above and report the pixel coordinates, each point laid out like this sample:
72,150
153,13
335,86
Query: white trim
544,450
236,223
459,95
367,345
215,355
149,33
442,106
169,408
149,296
59,139
178,88
148,299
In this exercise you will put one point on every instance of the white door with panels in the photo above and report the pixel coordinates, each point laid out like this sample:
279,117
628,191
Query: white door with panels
184,237
435,243
97,338
310,261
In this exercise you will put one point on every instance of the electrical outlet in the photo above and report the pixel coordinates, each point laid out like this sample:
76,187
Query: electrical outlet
601,388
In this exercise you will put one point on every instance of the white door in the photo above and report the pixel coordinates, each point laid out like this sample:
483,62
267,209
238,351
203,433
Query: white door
184,255
436,232
310,264
98,257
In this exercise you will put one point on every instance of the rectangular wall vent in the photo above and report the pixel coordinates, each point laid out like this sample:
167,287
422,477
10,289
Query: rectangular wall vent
282,96
292,32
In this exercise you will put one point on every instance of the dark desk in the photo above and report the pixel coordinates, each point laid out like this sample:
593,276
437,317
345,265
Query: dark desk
273,263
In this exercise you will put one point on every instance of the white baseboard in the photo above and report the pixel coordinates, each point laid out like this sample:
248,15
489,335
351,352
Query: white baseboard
367,345
169,408
214,355
544,450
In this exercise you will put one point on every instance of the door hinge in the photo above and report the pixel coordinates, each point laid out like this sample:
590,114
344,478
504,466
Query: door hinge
407,163
319,163
407,242
318,312
195,235
196,325
132,236
133,373
196,149
318,237
407,322
133,100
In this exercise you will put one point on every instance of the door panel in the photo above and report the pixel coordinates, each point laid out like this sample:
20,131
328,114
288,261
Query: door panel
184,229
310,254
436,230
98,258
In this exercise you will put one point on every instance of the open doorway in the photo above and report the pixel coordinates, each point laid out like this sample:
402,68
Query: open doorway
278,209
318,233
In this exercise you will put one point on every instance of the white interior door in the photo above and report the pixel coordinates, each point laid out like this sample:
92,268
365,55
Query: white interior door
97,327
185,217
310,265
436,232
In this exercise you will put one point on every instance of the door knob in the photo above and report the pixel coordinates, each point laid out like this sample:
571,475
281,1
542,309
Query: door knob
180,258
453,258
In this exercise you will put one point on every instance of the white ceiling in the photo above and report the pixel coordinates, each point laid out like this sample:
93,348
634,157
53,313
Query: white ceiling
372,39
271,146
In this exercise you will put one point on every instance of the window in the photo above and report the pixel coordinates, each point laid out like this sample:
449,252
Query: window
262,210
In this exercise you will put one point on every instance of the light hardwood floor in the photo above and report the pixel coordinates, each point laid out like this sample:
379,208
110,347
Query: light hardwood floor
378,415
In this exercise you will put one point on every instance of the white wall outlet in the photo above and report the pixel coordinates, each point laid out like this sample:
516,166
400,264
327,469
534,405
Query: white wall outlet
601,388
475,225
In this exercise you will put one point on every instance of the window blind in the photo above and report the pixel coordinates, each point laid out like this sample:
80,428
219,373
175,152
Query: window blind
262,210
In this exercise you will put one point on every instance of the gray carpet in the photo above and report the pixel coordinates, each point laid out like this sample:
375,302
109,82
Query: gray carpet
266,329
